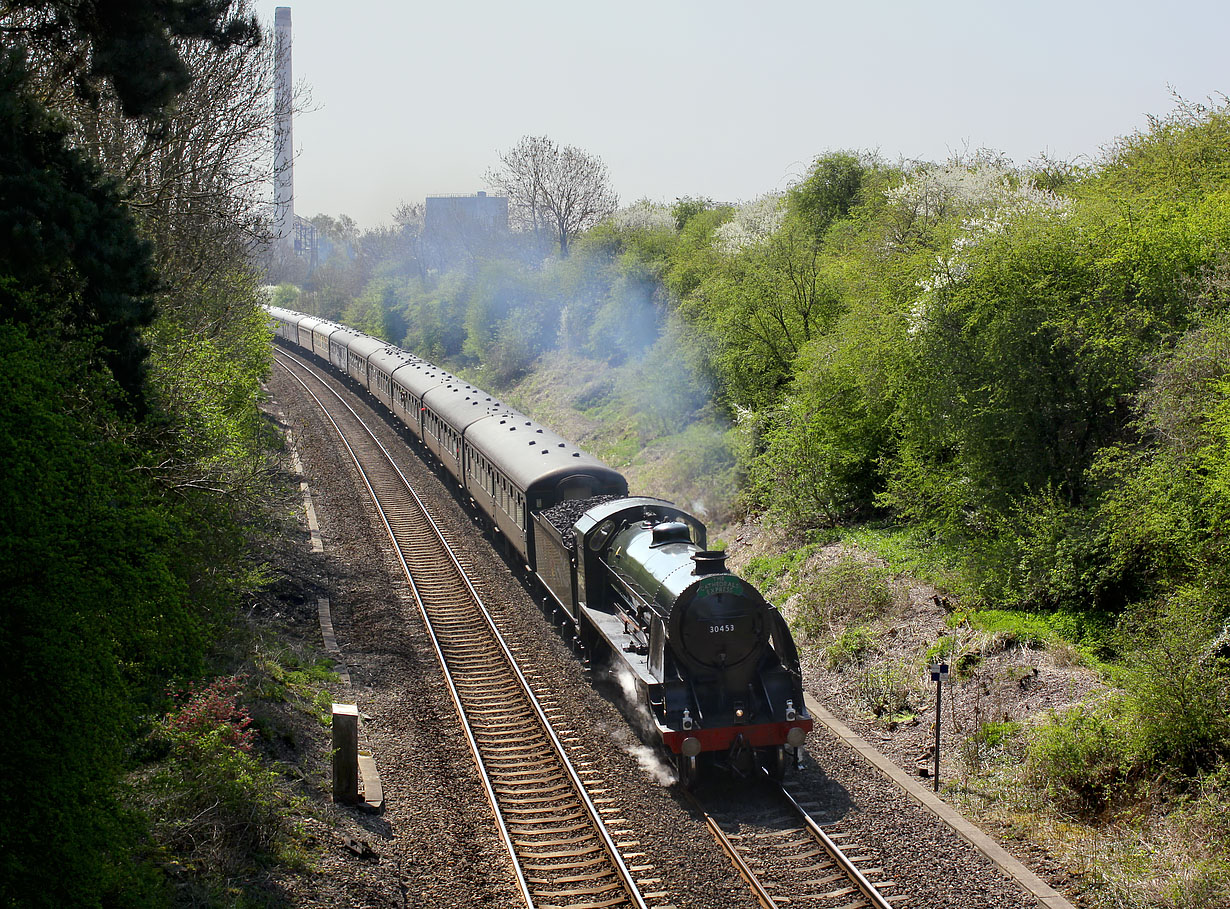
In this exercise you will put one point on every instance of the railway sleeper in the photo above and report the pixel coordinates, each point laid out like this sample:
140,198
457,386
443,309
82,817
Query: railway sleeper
557,785
564,853
544,767
514,802
549,814
581,891
564,866
583,878
618,901
552,831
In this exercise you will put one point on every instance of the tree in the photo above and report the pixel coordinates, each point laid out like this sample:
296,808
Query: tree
129,44
549,188
71,251
109,70
197,180
829,191
762,299
119,544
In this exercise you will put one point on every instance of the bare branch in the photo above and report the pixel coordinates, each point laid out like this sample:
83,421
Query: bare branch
549,188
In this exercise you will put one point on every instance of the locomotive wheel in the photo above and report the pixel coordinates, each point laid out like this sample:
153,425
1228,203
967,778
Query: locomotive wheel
775,762
689,771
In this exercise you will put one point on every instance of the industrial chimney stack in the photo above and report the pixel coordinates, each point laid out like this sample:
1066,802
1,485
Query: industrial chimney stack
283,144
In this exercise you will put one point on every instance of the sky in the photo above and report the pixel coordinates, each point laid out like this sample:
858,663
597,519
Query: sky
718,99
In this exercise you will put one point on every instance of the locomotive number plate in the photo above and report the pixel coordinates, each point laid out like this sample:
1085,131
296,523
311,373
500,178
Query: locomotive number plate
718,629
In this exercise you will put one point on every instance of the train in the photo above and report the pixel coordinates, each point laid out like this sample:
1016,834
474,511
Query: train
714,672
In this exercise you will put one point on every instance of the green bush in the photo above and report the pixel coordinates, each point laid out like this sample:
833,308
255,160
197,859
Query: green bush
215,810
284,677
989,739
888,690
850,589
1204,807
1178,686
849,647
1082,758
821,450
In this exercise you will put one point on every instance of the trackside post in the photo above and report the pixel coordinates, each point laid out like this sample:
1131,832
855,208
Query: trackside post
346,754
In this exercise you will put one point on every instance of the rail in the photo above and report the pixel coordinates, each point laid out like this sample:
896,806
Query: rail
560,850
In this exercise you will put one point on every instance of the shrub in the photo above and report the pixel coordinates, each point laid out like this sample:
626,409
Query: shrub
849,647
214,808
1178,685
209,710
988,739
1082,758
887,690
849,589
284,677
1204,808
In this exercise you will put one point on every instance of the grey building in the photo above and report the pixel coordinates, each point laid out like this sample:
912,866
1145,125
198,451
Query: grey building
460,228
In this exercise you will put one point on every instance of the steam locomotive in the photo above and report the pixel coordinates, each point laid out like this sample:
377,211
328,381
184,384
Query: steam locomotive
713,666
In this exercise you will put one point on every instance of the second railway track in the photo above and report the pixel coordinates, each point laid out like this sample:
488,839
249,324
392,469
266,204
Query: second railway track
561,851
787,858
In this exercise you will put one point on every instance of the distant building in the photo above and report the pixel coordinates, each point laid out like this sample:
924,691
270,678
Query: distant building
456,212
460,228
305,241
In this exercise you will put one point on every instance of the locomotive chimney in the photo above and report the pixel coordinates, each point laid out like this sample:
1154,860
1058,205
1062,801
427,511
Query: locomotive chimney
711,561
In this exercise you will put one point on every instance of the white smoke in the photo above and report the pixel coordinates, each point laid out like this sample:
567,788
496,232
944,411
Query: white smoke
660,771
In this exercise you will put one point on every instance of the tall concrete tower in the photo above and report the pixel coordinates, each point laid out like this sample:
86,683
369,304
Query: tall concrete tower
283,143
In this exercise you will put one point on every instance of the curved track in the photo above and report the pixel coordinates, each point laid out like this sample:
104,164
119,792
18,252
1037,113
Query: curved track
561,852
787,859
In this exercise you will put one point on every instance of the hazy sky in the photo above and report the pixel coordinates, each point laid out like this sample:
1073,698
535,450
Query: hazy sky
721,99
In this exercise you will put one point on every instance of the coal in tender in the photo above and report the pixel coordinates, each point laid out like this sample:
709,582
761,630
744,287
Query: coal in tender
564,515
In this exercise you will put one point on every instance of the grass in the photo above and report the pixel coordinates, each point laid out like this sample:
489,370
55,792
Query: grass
778,576
908,551
285,676
1072,638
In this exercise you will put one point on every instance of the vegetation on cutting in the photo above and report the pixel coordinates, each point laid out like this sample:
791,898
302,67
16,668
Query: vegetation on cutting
1012,382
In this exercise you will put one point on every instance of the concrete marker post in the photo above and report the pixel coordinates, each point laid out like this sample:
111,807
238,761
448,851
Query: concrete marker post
346,754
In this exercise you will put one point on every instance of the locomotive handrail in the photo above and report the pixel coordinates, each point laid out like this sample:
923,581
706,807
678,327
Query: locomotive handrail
636,631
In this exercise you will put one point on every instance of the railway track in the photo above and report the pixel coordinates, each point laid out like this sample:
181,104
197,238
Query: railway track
787,858
561,851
